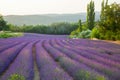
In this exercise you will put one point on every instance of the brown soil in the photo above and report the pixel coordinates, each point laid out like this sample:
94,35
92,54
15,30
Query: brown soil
116,42
36,71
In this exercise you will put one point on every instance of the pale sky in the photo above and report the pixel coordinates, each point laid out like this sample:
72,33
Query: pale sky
27,7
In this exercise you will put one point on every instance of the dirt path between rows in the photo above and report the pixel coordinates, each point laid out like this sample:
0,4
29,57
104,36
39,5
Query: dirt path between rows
36,71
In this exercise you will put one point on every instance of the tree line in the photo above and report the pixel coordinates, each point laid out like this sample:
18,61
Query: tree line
54,28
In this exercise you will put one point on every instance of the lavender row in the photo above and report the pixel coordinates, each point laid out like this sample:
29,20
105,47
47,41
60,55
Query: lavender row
22,65
75,69
49,70
79,71
90,55
4,47
112,73
108,48
93,51
55,53
96,43
7,56
5,42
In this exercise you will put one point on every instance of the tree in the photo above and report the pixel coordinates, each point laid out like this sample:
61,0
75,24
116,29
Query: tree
3,25
90,15
110,17
103,7
109,25
80,25
106,3
112,21
102,11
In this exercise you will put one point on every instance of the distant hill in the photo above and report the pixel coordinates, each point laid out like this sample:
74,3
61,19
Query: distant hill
46,18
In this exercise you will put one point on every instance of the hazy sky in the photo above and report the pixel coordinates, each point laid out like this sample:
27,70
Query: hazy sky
24,7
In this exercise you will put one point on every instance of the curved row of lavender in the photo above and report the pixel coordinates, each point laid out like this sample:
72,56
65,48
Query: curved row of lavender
22,65
59,58
49,69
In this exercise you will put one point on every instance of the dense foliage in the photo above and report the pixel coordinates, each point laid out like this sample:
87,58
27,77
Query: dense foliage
107,28
109,24
55,28
83,34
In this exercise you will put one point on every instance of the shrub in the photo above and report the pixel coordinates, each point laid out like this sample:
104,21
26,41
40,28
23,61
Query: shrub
16,77
85,34
118,35
74,34
109,35
95,33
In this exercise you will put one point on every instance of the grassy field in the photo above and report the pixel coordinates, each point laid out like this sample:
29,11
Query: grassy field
7,34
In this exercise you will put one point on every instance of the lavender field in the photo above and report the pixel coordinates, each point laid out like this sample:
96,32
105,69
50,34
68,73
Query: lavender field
56,57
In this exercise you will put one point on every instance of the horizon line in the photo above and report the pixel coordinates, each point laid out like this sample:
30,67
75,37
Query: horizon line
45,14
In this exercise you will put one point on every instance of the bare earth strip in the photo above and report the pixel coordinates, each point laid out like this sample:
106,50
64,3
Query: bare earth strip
36,71
116,42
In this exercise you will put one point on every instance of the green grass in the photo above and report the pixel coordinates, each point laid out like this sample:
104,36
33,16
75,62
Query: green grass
7,34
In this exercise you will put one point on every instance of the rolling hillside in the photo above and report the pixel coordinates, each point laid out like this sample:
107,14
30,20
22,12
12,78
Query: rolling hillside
46,18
